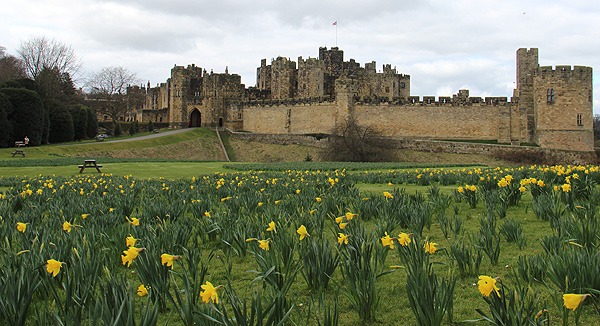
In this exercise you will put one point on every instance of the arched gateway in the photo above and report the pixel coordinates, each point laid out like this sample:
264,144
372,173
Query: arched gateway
195,118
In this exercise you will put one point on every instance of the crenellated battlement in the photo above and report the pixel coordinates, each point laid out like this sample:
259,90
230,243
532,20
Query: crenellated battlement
562,71
551,106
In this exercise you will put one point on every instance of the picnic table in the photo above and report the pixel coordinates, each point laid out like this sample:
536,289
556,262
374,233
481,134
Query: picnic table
89,164
19,143
18,151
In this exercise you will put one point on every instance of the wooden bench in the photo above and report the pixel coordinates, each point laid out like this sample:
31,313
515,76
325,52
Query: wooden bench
90,164
18,152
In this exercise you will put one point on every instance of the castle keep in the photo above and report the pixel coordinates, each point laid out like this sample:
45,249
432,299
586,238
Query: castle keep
550,107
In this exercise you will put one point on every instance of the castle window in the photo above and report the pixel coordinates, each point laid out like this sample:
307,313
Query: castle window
402,85
387,89
239,115
550,96
580,120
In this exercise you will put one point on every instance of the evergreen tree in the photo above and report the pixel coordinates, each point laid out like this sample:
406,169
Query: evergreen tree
27,117
92,123
61,124
80,120
5,127
117,131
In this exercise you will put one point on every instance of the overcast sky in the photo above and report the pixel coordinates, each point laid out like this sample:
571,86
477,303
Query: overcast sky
444,45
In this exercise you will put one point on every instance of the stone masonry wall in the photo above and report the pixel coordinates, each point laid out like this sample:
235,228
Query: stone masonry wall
559,156
477,121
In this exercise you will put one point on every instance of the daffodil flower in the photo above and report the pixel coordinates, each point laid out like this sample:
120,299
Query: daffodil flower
387,241
53,266
130,241
272,227
430,247
302,232
404,239
168,259
263,244
487,285
21,226
343,238
130,254
210,293
572,301
135,221
142,290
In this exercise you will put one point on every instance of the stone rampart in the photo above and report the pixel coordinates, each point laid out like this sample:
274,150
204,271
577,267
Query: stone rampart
434,146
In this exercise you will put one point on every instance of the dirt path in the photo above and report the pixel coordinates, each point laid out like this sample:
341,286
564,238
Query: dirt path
161,134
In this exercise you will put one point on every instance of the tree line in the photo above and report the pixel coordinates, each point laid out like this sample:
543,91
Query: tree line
39,99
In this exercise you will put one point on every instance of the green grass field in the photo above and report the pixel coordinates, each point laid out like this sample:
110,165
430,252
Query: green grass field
210,209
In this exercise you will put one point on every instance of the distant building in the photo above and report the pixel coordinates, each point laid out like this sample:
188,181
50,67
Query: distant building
550,107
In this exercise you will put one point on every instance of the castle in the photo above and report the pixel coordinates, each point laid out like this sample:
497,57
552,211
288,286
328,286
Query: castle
550,107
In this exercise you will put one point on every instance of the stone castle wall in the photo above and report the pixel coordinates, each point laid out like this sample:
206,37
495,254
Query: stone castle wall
550,155
562,101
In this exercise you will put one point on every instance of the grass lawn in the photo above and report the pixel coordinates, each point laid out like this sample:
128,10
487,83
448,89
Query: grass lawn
141,170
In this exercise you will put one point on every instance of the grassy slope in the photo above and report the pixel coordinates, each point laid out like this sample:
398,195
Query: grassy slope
197,144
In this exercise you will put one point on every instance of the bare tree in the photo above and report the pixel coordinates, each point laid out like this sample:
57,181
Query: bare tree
351,142
10,67
108,91
39,52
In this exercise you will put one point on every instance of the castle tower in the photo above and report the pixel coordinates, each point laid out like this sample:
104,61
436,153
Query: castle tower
185,85
563,107
333,59
263,76
283,79
311,78
527,63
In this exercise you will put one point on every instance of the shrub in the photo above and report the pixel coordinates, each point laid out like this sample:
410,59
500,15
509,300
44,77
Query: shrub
150,126
92,123
61,125
117,131
28,118
80,119
5,127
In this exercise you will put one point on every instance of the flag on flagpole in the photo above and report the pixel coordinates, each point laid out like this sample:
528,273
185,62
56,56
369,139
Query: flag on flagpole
335,23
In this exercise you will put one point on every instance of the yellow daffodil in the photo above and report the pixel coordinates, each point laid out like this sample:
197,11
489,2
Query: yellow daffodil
135,221
210,293
387,241
343,225
53,266
277,202
522,189
487,285
272,227
461,190
404,239
168,259
260,204
566,187
207,214
84,216
130,254
110,210
68,226
339,220
21,226
430,247
343,238
388,195
350,216
142,290
572,301
263,244
130,241
318,199
541,183
302,232
297,191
